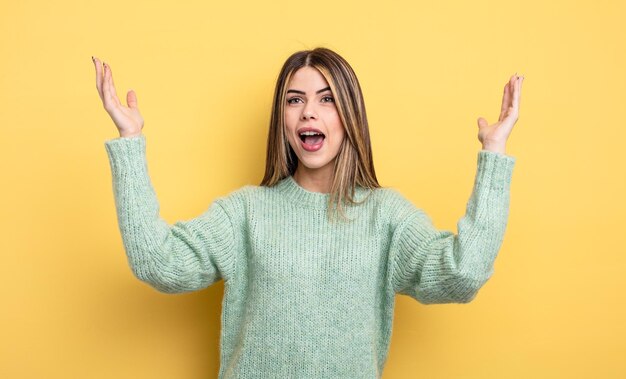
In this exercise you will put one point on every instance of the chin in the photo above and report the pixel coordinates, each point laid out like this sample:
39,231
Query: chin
314,164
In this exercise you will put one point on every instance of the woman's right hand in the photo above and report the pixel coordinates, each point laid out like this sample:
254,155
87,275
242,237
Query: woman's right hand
128,120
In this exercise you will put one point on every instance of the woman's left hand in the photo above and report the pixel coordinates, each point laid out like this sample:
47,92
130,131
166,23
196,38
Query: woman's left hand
493,137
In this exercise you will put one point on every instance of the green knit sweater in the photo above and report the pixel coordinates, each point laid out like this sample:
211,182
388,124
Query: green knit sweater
304,297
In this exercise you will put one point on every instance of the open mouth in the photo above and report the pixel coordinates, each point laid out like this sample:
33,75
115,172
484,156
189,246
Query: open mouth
312,138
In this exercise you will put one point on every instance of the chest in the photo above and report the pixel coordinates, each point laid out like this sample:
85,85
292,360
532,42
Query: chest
300,248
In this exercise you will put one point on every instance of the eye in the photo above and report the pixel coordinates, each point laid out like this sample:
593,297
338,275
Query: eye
292,100
329,97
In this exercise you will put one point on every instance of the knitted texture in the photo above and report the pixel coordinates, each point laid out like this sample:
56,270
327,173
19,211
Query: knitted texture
305,297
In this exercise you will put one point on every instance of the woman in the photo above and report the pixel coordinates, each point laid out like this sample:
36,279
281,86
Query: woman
306,295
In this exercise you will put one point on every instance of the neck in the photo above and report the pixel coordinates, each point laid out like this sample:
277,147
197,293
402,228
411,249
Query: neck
314,180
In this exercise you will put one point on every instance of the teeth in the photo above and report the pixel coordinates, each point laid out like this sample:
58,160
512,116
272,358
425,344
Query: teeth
310,133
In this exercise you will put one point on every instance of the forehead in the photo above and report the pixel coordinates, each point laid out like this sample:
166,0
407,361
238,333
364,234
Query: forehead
307,77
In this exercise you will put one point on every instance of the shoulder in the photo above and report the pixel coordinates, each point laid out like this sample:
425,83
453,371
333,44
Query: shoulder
238,196
238,201
404,215
391,197
392,204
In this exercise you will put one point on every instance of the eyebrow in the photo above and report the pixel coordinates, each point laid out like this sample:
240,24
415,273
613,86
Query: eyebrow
303,93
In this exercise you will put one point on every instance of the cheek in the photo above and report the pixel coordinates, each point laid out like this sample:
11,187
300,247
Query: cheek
341,135
291,120
289,125
331,119
337,126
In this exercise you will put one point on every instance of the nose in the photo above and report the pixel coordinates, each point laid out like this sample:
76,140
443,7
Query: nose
308,113
306,116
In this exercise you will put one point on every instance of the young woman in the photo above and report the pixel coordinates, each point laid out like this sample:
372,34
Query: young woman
308,294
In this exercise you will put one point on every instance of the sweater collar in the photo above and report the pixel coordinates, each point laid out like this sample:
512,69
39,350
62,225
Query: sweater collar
298,194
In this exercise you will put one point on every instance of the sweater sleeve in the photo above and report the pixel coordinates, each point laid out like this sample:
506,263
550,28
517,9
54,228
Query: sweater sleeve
437,266
186,256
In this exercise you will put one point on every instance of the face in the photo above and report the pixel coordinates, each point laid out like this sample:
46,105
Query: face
311,105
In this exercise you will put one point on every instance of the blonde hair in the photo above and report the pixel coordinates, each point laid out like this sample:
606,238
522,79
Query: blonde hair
354,163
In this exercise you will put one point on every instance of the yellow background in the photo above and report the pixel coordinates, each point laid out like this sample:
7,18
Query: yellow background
204,74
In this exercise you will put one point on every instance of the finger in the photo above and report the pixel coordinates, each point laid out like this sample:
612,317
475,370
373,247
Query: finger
518,92
482,122
514,108
507,98
506,101
99,76
108,83
110,98
112,84
106,89
131,99
516,95
512,82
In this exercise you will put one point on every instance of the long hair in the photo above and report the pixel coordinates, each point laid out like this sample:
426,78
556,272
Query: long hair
354,163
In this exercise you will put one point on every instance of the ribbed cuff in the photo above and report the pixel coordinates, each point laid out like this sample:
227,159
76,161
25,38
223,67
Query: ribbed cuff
122,149
127,157
495,168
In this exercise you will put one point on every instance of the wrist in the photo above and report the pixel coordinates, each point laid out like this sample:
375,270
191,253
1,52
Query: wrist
496,148
129,134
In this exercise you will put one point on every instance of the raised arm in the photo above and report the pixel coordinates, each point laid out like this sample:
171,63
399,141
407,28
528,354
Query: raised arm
434,266
187,256
438,266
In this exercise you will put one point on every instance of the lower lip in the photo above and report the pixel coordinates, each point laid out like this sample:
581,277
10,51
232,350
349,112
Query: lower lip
312,147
